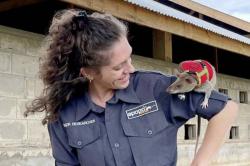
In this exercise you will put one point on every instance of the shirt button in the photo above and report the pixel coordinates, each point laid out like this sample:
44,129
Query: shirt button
117,145
150,132
79,143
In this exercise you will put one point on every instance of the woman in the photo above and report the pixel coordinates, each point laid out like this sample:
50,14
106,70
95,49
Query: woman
100,111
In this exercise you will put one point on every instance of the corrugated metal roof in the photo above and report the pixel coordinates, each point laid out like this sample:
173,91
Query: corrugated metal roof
168,11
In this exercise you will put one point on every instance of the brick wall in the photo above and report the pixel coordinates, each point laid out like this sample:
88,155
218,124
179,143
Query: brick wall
23,141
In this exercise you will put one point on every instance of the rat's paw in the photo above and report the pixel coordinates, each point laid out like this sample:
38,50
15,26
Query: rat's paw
204,104
181,96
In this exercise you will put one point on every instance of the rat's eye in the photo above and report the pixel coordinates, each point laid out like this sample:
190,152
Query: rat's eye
178,74
188,81
178,86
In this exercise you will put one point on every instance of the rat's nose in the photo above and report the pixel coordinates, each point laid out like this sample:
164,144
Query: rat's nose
168,90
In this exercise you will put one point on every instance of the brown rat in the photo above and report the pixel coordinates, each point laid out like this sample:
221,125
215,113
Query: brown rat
197,75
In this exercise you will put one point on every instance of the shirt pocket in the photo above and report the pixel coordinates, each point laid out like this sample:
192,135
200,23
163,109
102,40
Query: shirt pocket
148,137
146,125
87,142
81,136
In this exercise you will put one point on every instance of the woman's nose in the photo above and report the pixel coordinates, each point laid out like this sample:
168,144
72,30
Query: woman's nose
130,68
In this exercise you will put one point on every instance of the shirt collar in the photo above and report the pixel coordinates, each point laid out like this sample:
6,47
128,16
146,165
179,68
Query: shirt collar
83,106
127,95
84,103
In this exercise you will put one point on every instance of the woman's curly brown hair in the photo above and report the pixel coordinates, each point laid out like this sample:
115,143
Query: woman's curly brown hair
75,40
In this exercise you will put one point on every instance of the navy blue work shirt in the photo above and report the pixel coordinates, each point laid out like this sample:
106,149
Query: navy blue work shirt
138,126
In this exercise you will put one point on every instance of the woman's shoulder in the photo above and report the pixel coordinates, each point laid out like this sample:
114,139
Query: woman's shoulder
150,75
150,79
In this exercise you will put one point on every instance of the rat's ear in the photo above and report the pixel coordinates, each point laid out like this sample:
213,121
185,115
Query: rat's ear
190,80
176,72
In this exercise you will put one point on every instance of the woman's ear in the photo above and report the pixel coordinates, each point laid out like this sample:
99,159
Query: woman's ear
82,72
87,73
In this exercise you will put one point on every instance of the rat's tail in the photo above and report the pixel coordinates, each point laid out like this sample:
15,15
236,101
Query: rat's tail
198,134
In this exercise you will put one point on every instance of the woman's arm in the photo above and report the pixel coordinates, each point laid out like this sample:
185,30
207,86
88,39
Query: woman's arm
215,134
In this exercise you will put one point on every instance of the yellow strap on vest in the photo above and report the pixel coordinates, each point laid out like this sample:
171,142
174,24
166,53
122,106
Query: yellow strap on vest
200,74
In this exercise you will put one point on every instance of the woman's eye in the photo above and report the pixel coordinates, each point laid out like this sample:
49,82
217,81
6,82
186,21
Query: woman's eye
118,68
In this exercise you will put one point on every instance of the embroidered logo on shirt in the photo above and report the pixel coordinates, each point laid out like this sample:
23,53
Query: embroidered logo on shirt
81,123
142,110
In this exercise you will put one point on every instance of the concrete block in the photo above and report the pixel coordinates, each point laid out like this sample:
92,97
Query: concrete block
233,94
13,42
185,154
243,131
7,108
180,134
37,161
233,153
13,130
5,62
143,63
248,97
236,154
39,86
142,66
223,82
30,88
26,156
34,47
25,65
37,133
21,108
248,129
12,86
242,85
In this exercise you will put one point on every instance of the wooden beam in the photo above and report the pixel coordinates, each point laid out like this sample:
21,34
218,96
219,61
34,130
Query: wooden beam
248,35
136,14
216,60
162,45
223,17
13,4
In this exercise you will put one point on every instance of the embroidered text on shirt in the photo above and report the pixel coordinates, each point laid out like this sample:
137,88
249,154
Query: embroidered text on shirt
79,123
142,110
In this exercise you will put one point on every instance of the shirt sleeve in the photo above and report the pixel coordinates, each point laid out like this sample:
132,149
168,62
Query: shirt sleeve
63,154
178,111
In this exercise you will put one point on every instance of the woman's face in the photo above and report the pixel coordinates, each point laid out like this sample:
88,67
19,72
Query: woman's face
116,74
